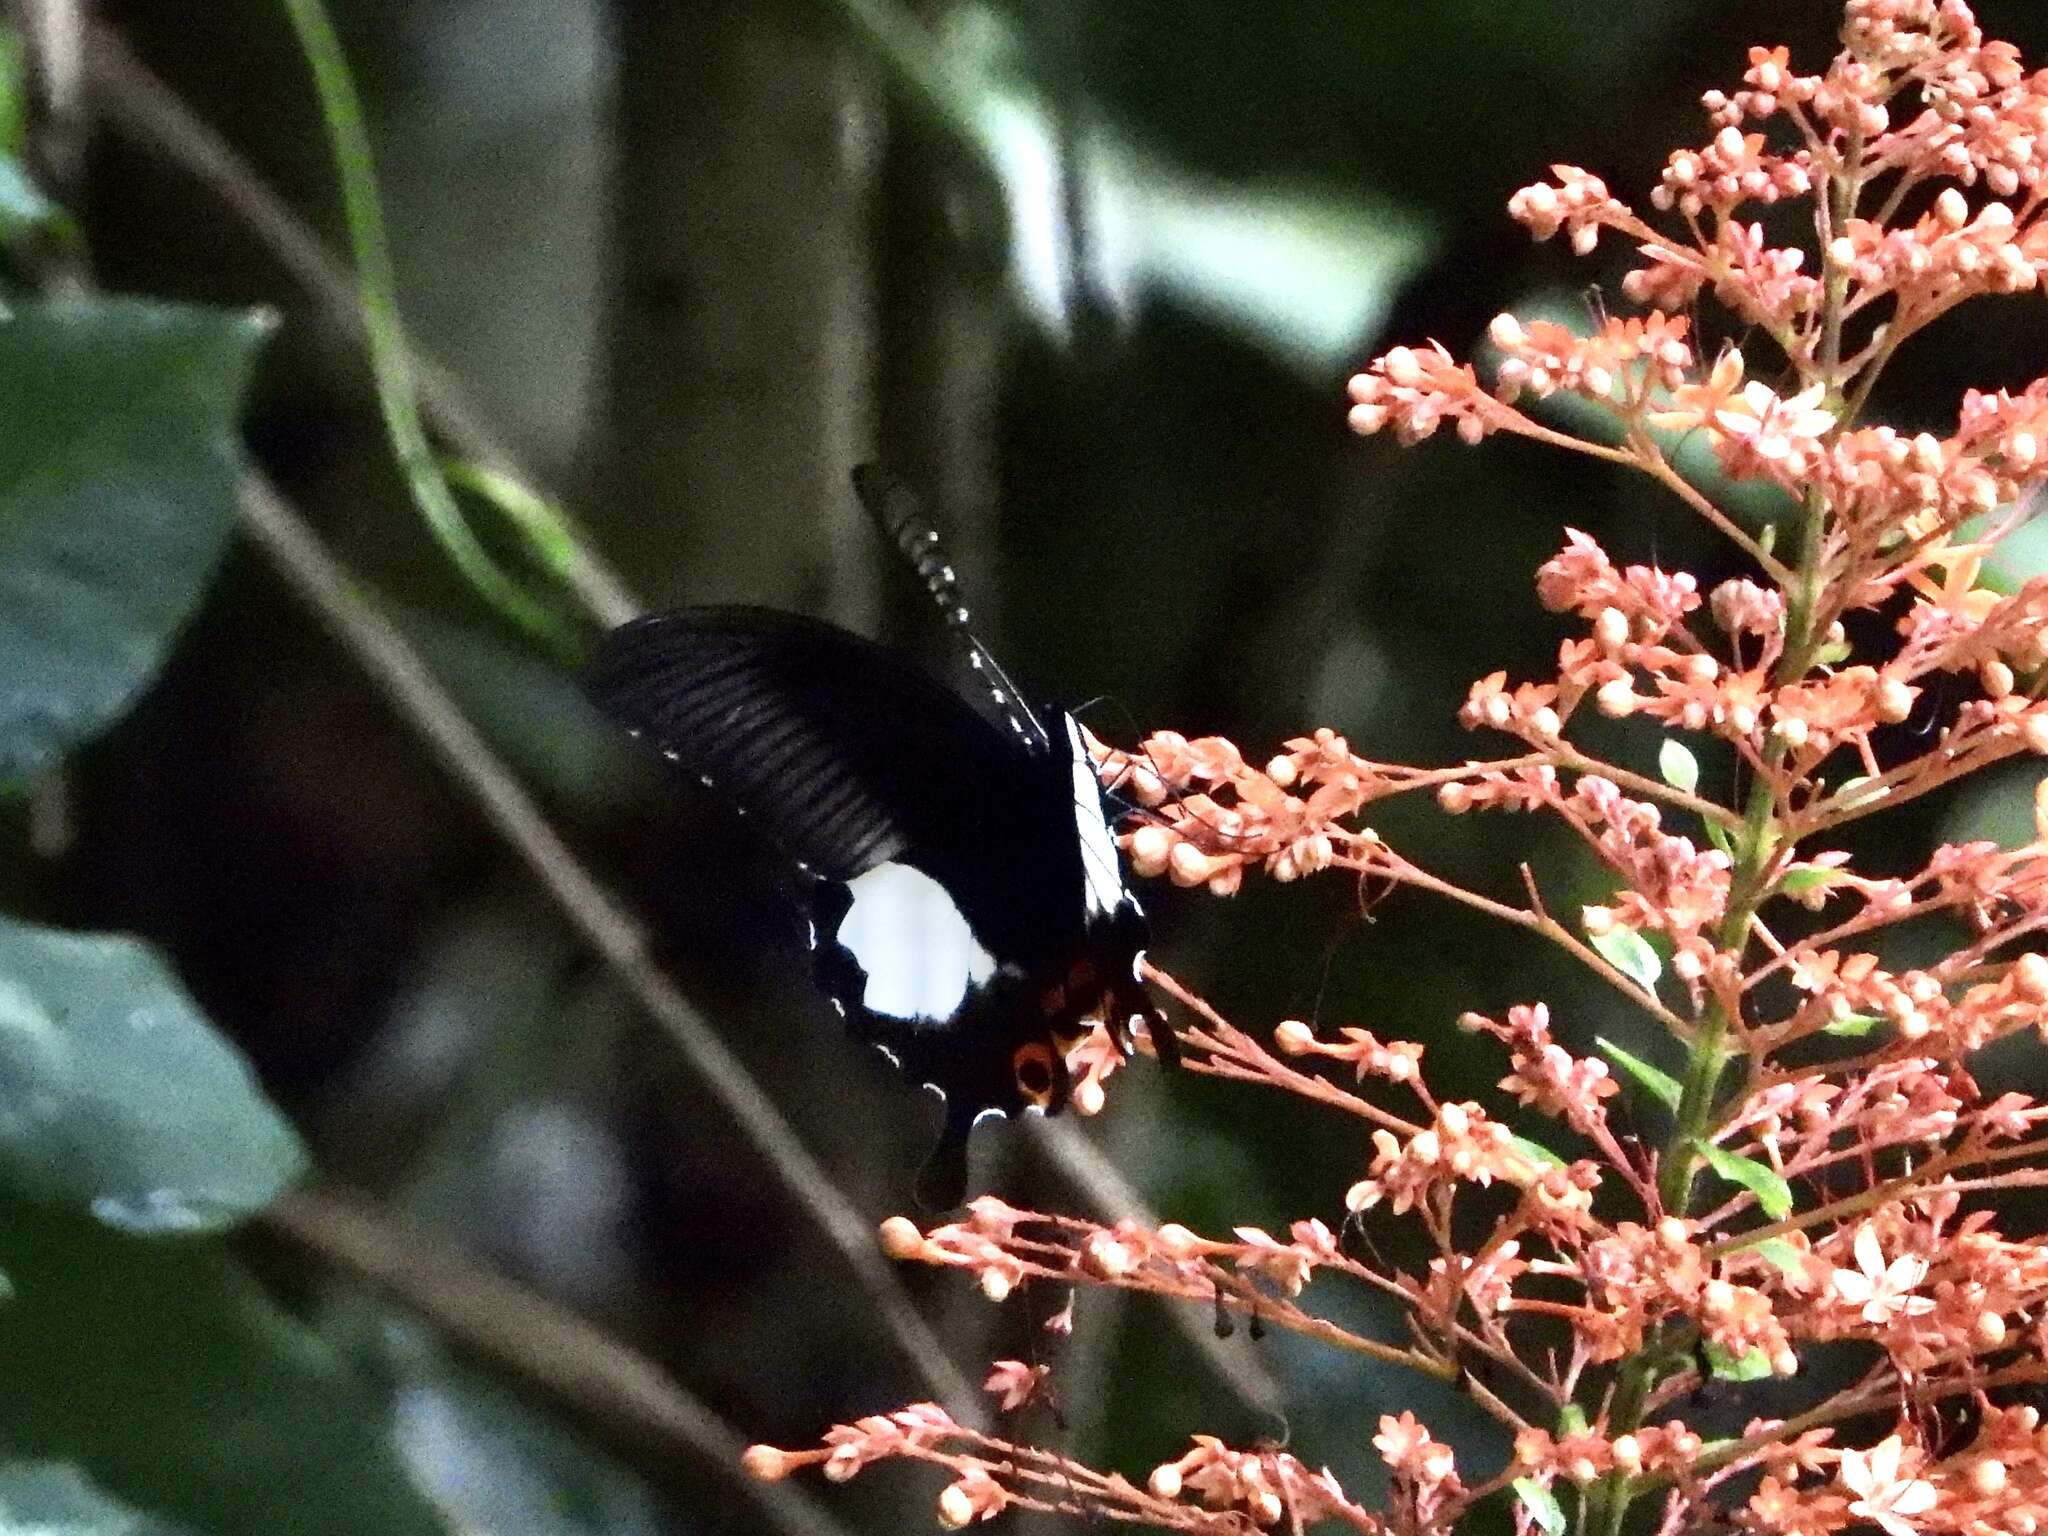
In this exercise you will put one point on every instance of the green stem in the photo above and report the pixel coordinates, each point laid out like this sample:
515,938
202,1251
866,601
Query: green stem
390,365
1757,848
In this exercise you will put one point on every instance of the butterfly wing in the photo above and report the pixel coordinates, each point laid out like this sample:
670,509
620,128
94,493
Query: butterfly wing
955,890
846,752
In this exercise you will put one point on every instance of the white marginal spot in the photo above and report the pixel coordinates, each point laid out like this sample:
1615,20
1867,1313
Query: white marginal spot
991,1113
919,954
1101,876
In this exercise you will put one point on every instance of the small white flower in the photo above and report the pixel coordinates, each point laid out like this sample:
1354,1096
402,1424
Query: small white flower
1882,1496
1883,1291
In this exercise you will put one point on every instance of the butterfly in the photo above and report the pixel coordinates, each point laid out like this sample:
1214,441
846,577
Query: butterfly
965,899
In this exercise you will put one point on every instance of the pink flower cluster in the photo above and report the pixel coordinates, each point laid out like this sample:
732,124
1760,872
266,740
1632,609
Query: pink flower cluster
1785,1153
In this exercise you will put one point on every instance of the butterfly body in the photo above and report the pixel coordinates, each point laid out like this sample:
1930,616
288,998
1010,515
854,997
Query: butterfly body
966,907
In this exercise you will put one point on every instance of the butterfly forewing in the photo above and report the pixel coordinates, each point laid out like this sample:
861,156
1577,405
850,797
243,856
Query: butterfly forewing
847,753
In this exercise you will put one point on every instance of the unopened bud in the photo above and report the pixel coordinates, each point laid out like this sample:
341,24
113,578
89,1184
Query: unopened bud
1150,848
901,1239
764,1463
1281,771
1894,700
2030,977
1295,1038
956,1507
2035,734
1189,865
1996,678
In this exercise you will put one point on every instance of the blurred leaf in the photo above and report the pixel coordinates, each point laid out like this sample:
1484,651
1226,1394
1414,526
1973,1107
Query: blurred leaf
1751,1365
1787,1258
494,1464
163,1373
1309,275
1661,1086
49,1498
23,208
532,714
1767,1184
121,1100
1630,953
1680,768
117,483
13,90
1536,1152
1542,1505
1852,1026
1997,806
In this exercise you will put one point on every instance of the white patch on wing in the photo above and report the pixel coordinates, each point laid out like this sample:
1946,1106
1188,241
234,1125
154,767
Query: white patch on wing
1101,874
915,946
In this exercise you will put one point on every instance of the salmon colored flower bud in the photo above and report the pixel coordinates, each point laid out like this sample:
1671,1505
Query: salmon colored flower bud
2030,977
901,1239
1894,700
1294,1037
764,1463
1150,848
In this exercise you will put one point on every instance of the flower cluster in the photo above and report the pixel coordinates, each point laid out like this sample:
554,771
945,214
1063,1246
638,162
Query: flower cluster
1789,1154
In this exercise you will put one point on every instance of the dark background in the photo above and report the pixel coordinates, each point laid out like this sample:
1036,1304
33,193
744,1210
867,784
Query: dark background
693,262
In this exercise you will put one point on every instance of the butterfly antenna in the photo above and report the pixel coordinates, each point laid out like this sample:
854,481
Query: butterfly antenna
897,513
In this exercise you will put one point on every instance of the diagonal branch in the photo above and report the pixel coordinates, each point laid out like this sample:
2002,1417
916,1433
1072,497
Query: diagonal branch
610,929
136,103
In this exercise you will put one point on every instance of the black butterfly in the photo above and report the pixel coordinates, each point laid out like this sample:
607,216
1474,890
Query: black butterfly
967,908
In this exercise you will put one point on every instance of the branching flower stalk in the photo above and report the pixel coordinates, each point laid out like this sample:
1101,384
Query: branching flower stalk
1834,1180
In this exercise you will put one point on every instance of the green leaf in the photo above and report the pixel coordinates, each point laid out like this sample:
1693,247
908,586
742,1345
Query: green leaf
1782,1256
1805,878
1754,1364
120,1099
117,495
13,91
1660,1085
53,1498
1855,791
1542,1505
1536,1152
1769,1186
1718,836
164,1374
1629,953
532,713
1680,768
1852,1026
